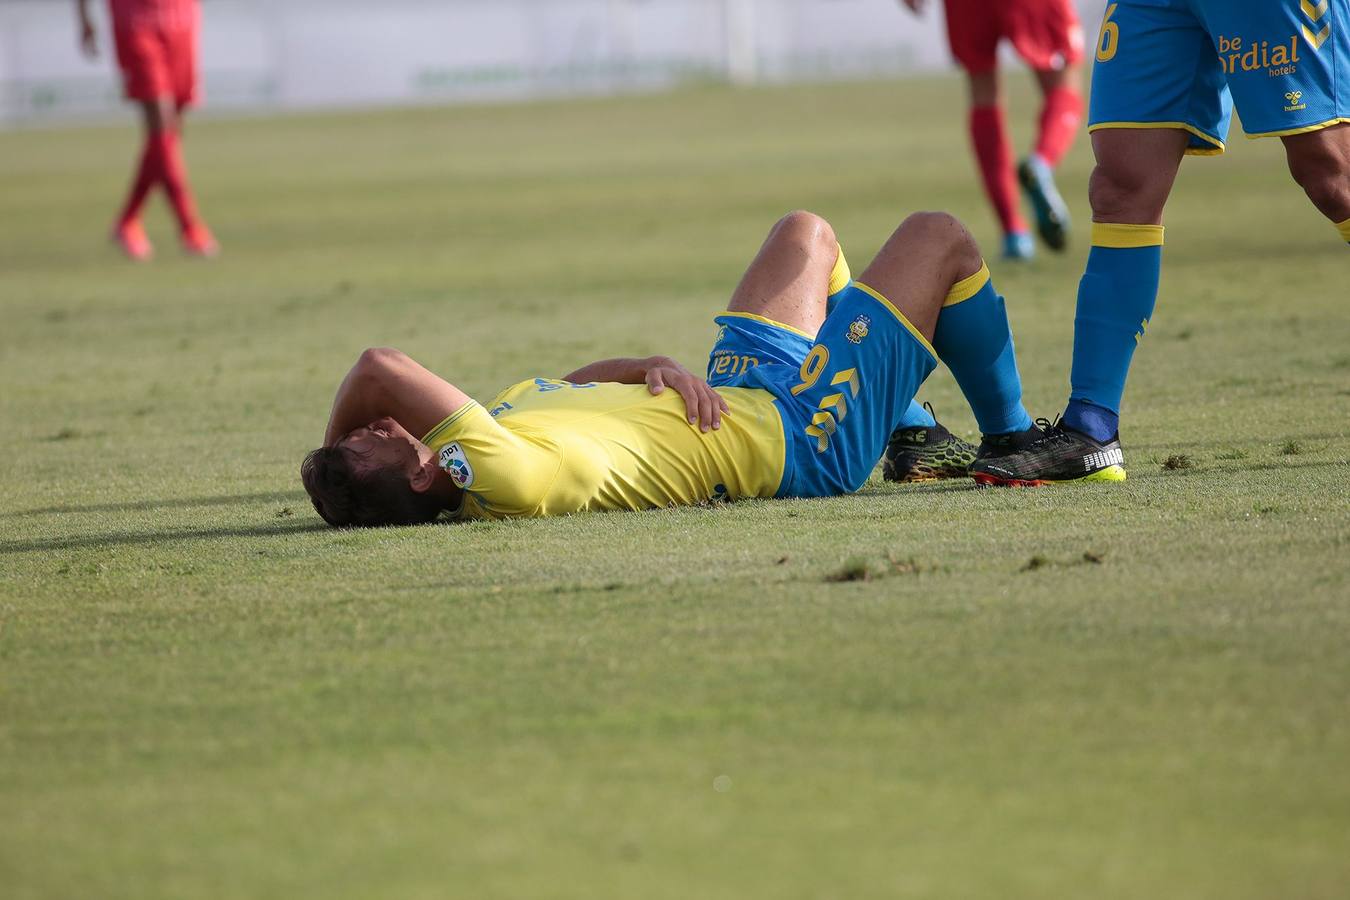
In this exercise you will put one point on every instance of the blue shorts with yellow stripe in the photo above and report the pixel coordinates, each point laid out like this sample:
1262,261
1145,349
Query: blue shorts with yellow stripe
840,393
1183,64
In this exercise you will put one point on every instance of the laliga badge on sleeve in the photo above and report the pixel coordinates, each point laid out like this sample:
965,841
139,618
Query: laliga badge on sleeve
456,464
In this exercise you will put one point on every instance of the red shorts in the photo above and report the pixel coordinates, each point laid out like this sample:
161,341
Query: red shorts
1045,33
158,62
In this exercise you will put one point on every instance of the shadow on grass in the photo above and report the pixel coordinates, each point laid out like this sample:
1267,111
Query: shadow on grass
178,503
156,537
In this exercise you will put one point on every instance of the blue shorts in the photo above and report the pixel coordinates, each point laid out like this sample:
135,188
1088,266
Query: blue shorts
839,393
1183,63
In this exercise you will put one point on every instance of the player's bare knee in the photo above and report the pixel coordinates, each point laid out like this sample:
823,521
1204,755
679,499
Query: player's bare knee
984,88
944,233
1326,182
1330,193
806,229
932,224
376,363
160,115
1125,194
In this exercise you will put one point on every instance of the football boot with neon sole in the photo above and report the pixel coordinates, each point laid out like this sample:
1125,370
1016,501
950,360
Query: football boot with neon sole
926,453
131,238
1059,455
1052,213
1018,247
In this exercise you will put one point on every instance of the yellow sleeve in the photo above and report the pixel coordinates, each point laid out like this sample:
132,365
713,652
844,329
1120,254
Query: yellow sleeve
507,472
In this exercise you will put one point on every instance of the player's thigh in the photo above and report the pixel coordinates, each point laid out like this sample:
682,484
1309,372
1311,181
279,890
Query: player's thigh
1325,151
1045,33
1154,66
1287,63
160,114
974,28
789,279
1320,162
853,387
1135,170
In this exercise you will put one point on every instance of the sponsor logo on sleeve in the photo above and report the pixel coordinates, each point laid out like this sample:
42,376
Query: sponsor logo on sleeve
456,464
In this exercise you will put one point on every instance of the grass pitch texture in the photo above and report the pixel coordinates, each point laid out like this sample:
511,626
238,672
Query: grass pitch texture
1130,690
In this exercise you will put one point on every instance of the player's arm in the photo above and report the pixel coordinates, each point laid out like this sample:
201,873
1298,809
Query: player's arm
703,404
385,382
88,34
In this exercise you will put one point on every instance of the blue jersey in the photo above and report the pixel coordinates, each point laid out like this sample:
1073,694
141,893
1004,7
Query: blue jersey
1184,63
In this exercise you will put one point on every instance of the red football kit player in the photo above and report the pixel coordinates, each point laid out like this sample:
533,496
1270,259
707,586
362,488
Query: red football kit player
156,44
1047,35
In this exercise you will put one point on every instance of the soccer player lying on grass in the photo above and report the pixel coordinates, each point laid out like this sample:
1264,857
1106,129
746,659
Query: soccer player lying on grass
808,377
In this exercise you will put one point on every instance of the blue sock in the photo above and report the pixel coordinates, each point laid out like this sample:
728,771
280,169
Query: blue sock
1097,422
916,417
1115,302
973,339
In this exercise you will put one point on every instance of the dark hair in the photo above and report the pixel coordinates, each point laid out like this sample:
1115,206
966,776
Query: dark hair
344,497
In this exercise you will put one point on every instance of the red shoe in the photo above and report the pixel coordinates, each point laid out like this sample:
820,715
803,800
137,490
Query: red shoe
198,241
130,236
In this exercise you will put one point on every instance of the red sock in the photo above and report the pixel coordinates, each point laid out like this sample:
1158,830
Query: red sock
174,173
147,176
1060,117
993,151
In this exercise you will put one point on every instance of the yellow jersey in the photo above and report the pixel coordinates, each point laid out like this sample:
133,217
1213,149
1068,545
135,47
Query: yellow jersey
549,448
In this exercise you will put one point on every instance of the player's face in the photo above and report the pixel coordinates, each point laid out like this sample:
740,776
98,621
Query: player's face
385,445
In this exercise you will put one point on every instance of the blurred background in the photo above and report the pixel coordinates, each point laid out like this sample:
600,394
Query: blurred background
297,54
1138,691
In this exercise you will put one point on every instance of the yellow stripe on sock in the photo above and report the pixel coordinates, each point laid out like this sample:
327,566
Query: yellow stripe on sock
840,276
968,287
1344,229
1111,234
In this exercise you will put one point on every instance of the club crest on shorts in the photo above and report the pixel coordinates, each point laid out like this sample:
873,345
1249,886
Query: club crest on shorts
456,464
857,329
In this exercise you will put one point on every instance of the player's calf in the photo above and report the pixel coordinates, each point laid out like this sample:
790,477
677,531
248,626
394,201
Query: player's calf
1320,162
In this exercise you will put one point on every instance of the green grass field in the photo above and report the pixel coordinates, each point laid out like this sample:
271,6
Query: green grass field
1099,691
